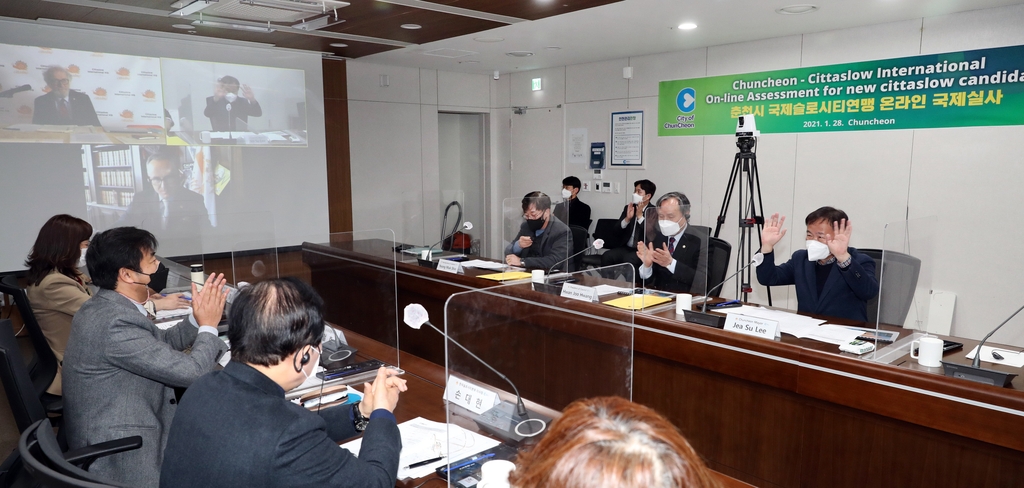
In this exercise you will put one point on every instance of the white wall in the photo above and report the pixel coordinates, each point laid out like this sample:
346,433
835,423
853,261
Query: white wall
968,177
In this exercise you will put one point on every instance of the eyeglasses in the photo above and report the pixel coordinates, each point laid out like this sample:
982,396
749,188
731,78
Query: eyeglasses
532,215
64,81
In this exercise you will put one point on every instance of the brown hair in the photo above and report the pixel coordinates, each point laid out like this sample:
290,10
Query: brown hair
57,247
611,442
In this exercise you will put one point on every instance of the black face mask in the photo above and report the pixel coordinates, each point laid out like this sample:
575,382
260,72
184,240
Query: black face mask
535,224
158,280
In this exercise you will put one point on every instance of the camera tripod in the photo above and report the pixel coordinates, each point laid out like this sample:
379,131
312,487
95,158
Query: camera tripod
744,175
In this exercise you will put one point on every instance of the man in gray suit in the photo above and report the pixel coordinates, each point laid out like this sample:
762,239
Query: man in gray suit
543,241
120,370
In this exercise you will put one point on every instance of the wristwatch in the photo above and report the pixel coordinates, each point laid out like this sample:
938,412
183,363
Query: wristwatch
361,421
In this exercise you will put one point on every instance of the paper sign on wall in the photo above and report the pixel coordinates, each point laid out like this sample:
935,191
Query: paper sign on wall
476,399
578,146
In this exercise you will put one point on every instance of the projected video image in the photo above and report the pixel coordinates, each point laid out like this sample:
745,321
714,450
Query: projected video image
79,97
230,104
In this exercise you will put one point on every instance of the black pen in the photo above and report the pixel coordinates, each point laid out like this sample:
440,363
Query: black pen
424,463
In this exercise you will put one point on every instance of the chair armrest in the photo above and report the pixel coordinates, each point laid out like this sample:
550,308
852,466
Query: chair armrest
85,456
54,407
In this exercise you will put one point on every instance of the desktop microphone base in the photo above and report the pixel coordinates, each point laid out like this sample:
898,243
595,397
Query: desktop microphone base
702,318
503,422
979,375
426,263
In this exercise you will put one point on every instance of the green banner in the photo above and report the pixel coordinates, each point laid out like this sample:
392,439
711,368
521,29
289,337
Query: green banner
970,88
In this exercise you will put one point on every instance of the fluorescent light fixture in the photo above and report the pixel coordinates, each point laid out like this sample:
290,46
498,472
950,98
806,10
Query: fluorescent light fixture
188,8
234,26
536,84
687,26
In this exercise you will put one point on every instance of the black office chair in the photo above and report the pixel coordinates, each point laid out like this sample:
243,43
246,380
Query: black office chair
897,282
719,253
43,460
21,395
43,368
607,229
580,241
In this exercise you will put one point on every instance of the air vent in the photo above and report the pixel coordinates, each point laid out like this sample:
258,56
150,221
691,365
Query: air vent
449,53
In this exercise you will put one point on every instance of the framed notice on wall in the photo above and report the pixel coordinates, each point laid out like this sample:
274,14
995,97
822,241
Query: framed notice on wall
627,139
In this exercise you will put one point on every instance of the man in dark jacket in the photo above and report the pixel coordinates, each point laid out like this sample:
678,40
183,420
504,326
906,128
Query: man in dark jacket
543,241
234,427
62,106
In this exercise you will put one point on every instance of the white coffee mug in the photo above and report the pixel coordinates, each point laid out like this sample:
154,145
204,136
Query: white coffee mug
538,275
928,351
494,474
684,301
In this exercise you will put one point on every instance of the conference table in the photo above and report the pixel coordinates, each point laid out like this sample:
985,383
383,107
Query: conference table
775,413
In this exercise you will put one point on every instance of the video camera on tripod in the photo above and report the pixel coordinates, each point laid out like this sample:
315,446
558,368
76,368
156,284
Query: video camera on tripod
746,131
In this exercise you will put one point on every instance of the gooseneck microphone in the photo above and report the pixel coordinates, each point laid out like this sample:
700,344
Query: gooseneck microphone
975,372
755,261
18,89
415,316
598,244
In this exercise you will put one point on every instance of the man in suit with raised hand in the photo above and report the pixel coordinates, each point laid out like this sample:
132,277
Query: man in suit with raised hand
62,106
672,261
120,369
235,428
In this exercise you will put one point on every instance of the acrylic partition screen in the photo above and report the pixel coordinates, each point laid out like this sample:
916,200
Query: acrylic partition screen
435,221
535,239
903,268
551,340
354,273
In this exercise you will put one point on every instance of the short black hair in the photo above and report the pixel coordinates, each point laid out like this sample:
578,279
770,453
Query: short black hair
111,250
572,181
274,318
680,198
170,154
832,215
539,200
228,80
647,186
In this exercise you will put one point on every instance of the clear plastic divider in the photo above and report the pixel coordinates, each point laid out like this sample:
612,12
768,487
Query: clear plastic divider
436,222
551,350
904,271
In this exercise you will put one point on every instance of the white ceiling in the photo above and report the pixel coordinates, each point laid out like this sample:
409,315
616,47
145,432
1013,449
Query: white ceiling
639,27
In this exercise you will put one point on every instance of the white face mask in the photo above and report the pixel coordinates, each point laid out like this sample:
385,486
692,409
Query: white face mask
637,198
231,97
81,259
566,193
668,227
816,251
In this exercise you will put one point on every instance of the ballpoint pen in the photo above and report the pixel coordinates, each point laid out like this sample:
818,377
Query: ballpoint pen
470,461
426,462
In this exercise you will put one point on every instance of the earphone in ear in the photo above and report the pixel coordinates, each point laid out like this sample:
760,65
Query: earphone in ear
305,358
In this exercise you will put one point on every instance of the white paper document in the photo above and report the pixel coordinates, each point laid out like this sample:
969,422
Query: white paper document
603,290
480,263
423,440
798,325
1010,357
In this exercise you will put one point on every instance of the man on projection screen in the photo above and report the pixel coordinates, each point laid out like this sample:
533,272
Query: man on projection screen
61,106
226,110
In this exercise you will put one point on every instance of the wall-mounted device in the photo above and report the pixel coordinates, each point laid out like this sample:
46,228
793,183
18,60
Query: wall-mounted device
596,155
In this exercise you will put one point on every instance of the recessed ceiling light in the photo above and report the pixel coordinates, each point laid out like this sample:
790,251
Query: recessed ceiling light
488,39
411,26
553,48
519,54
797,9
338,44
184,26
687,26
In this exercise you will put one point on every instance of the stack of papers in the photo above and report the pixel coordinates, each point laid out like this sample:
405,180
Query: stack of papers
480,263
423,440
637,301
799,325
509,276
609,289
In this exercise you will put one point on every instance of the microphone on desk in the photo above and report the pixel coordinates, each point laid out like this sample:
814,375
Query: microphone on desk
975,372
415,316
598,244
18,89
703,317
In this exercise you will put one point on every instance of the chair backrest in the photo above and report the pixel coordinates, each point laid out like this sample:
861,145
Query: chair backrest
897,275
580,241
21,394
42,458
719,253
43,368
607,229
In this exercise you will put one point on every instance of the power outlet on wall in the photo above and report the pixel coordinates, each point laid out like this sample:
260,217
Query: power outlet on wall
618,187
586,186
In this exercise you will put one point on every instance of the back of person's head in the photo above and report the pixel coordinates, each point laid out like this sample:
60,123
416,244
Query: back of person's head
610,442
572,181
274,318
57,247
539,200
120,247
647,186
679,198
828,214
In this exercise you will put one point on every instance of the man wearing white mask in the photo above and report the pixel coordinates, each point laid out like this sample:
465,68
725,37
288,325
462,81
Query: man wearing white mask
571,210
831,277
670,262
228,111
635,226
